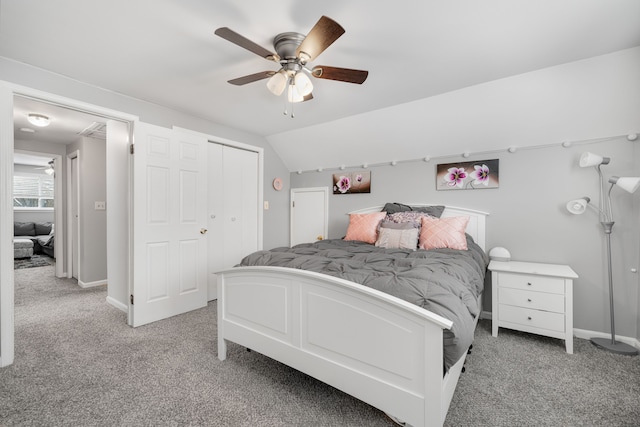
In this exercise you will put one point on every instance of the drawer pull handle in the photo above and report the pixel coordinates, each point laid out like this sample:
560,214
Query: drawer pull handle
529,317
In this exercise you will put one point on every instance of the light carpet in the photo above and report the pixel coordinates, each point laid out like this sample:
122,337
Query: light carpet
78,363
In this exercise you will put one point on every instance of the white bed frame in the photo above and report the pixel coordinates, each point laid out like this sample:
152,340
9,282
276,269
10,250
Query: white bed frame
373,346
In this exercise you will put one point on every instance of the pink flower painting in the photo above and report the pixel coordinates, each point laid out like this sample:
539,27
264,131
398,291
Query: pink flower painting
468,175
352,182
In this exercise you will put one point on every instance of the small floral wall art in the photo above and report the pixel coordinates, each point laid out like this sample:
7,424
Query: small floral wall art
468,175
352,182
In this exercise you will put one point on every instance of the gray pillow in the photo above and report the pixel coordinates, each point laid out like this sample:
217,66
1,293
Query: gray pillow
43,228
398,225
434,211
24,229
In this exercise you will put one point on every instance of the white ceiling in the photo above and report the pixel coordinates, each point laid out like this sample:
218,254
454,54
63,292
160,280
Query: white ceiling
165,51
65,125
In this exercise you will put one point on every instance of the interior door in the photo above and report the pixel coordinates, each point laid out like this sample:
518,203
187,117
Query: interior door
233,208
169,220
309,214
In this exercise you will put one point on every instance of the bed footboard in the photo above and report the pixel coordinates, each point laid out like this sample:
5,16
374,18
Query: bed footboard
375,347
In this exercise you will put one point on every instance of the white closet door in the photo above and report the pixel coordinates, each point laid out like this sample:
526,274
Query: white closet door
169,217
233,208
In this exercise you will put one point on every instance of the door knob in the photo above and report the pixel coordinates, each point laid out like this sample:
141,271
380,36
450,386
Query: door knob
203,231
319,237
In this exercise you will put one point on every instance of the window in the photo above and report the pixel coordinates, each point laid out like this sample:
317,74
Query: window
32,191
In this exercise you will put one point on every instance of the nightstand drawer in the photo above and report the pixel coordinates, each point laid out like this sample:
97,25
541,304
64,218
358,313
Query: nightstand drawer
533,300
532,318
532,283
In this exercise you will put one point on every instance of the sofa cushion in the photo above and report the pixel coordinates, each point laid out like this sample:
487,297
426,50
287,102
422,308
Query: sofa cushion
24,229
43,228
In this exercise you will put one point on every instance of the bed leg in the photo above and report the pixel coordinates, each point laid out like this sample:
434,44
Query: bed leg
222,348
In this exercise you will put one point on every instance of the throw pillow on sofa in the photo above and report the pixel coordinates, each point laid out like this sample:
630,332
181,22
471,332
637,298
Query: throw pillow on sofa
24,229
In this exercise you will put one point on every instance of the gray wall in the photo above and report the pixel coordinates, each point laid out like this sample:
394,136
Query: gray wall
528,217
92,223
276,219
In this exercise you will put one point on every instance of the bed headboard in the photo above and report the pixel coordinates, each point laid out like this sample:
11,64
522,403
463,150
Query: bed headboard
477,219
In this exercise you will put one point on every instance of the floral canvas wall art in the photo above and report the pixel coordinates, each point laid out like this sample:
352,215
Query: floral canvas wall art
352,182
468,175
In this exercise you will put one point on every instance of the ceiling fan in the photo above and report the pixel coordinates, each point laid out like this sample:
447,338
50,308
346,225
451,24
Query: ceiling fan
293,52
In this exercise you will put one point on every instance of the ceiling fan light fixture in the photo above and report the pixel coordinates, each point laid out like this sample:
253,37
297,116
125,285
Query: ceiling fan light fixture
277,83
38,120
293,95
303,83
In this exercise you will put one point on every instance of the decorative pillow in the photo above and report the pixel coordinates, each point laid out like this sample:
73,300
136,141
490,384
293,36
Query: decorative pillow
390,208
364,227
43,228
24,229
394,235
411,217
435,211
443,233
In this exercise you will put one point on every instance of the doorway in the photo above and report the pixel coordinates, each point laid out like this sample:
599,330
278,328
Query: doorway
11,95
36,204
309,214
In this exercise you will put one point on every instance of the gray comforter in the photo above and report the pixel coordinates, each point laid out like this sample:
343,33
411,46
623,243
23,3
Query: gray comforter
444,281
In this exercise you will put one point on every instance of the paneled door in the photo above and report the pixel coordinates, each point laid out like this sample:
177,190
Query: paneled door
309,214
233,208
169,223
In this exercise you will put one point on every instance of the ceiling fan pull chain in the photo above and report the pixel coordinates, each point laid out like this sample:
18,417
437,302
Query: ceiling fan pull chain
292,114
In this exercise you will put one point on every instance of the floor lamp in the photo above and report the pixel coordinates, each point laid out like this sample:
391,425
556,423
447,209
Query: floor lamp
579,206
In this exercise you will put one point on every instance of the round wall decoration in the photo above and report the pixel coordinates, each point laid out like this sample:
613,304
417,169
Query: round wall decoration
277,184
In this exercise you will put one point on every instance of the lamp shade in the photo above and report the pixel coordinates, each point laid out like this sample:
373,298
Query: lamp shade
628,183
589,159
578,206
303,83
293,95
277,83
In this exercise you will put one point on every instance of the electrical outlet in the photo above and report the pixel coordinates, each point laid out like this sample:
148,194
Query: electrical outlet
100,206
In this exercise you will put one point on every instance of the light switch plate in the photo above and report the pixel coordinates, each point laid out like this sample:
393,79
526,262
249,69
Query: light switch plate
100,206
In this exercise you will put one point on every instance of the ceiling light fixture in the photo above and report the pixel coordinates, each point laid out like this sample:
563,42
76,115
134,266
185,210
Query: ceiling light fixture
38,120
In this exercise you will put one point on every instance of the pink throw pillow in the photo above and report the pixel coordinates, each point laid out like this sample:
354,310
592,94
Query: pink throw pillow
364,227
443,233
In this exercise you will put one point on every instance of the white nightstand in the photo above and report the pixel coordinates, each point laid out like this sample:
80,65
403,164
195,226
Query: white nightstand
533,297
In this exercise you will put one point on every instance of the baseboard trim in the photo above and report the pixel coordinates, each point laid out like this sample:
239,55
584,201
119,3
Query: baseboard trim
91,284
117,304
585,334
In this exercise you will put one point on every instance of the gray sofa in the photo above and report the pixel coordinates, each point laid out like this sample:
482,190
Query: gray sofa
40,233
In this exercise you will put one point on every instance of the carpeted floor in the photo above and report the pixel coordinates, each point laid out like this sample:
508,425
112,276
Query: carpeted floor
77,363
33,261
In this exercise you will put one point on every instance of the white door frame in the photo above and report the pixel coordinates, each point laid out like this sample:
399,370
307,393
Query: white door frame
72,238
7,91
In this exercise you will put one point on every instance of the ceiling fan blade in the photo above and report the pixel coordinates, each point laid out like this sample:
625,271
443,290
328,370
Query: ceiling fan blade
321,36
340,74
252,78
307,97
235,38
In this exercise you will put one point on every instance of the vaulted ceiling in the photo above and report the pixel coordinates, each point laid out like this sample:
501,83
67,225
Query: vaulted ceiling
165,52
